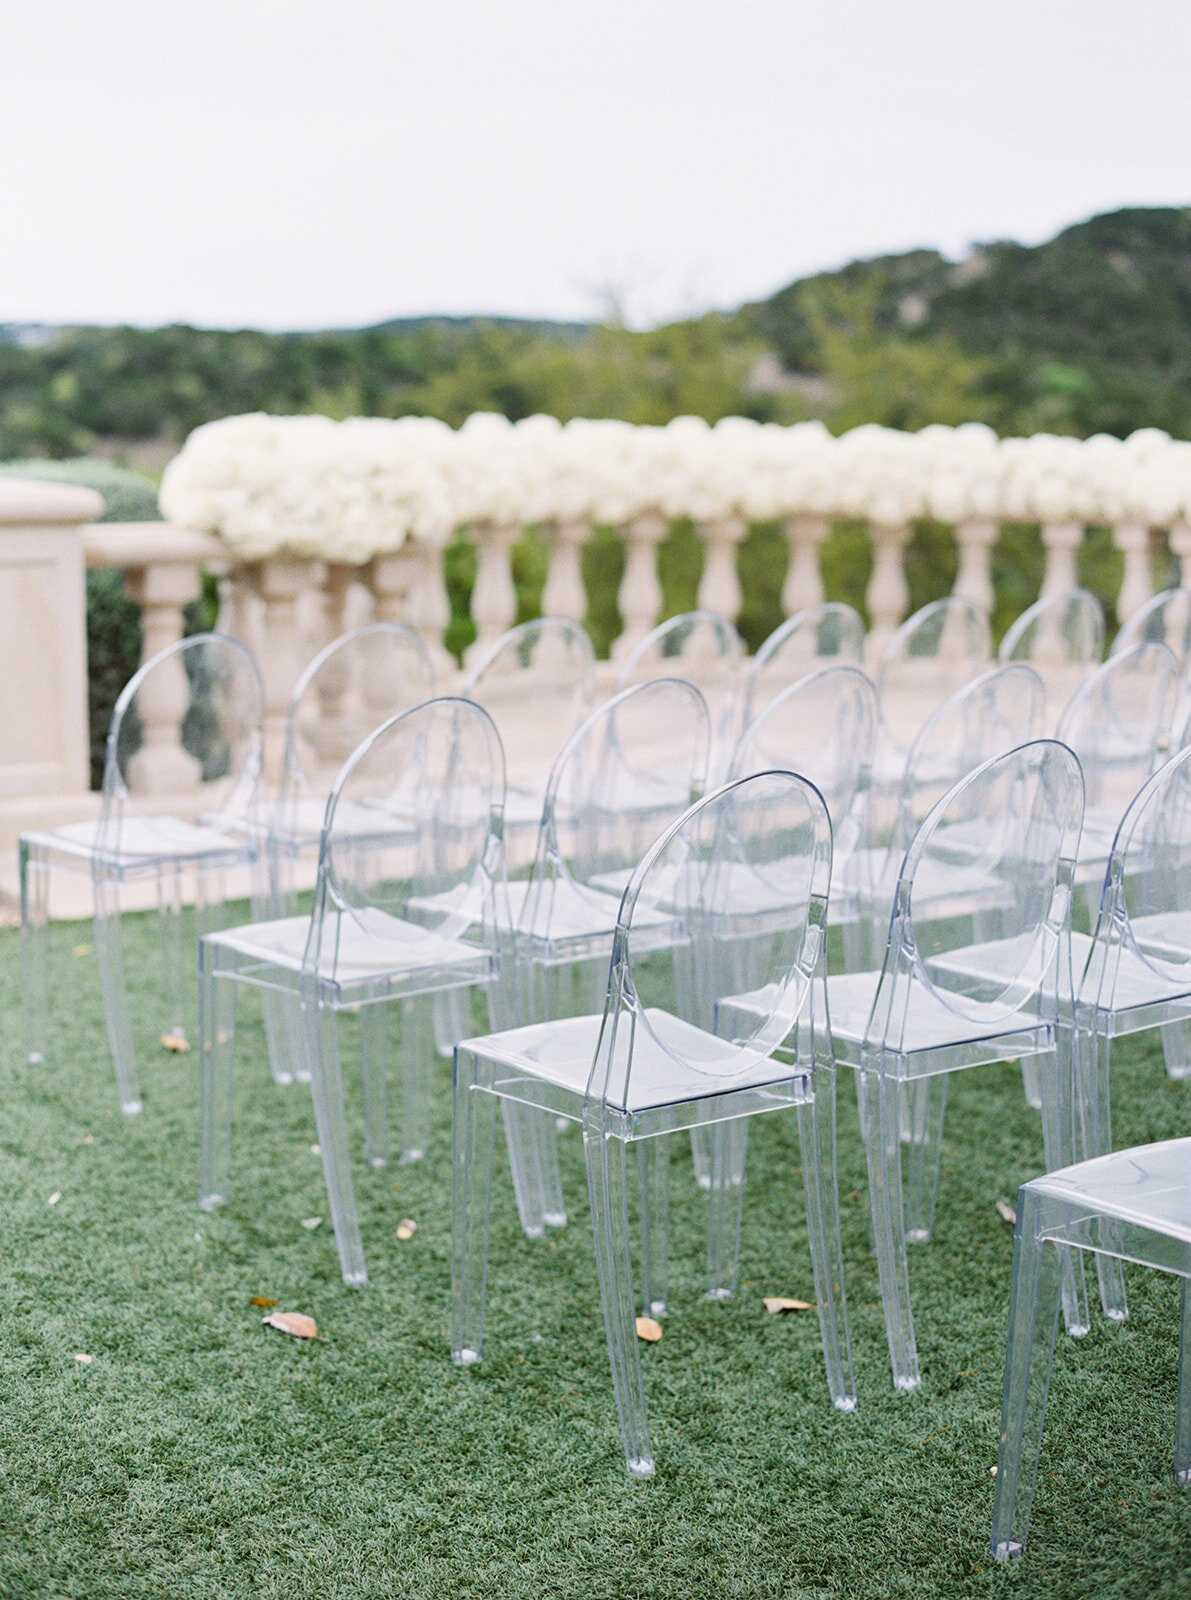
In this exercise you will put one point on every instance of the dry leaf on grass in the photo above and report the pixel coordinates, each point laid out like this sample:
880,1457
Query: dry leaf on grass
649,1330
83,1359
54,1198
260,1300
81,950
311,1222
175,1042
294,1322
88,1138
781,1302
1006,1213
406,1228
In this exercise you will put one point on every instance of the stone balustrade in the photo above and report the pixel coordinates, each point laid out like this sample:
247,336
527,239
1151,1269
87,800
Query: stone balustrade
287,607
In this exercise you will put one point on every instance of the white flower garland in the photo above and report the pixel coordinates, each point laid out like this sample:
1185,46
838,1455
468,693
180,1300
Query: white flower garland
348,491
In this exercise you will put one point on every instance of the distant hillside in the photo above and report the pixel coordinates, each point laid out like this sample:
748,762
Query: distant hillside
1089,332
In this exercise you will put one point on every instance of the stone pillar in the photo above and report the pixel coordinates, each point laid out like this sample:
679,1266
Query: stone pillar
639,598
1132,538
494,598
279,582
409,588
887,596
1060,540
719,587
804,584
564,594
975,538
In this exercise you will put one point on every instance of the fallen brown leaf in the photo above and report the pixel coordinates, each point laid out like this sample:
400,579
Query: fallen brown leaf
311,1222
84,1360
1006,1213
260,1300
779,1302
54,1198
406,1228
81,950
175,1042
294,1322
649,1330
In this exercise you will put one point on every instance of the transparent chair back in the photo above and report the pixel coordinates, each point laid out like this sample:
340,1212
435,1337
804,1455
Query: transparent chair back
999,710
352,686
823,727
936,650
209,750
827,635
1117,725
537,683
1164,619
1062,638
704,649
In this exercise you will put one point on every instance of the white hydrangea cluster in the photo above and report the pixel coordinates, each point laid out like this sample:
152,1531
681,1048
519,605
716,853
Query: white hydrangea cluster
346,491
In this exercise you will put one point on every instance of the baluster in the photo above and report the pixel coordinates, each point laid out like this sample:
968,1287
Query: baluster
975,538
887,595
719,587
1060,540
564,594
161,766
409,588
494,598
280,581
1132,538
337,582
639,598
804,584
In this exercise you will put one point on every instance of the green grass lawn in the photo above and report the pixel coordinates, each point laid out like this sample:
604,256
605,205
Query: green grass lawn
200,1454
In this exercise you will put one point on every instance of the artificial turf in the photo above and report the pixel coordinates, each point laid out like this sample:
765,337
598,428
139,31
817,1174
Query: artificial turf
201,1454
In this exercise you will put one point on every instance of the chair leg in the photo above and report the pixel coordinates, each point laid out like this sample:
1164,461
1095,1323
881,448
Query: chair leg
284,1038
610,1224
109,950
532,1145
374,1059
472,1147
1094,1118
1063,1077
35,953
171,928
1176,1047
217,996
326,1089
817,1139
882,1143
1182,1424
1033,1324
1031,1082
728,1142
653,1180
922,1104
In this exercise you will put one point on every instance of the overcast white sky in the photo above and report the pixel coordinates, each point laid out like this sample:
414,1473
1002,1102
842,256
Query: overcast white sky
302,163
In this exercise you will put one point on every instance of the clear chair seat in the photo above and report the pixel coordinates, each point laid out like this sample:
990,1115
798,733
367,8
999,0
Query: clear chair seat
1148,1186
139,839
363,944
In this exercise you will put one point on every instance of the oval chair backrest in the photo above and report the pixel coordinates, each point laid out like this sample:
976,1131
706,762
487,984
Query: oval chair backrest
824,727
702,648
537,682
414,823
1117,722
189,724
626,773
992,864
1062,638
1164,619
827,635
940,647
1147,893
353,685
745,871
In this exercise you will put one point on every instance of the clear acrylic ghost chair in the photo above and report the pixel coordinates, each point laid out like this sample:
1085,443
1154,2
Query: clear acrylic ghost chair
704,649
824,728
395,919
626,773
1117,725
827,635
652,1063
1164,619
188,727
932,654
353,685
904,1024
1133,1205
537,683
1062,638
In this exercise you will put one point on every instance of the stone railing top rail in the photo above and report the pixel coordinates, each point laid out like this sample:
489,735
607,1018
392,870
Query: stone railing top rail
26,502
